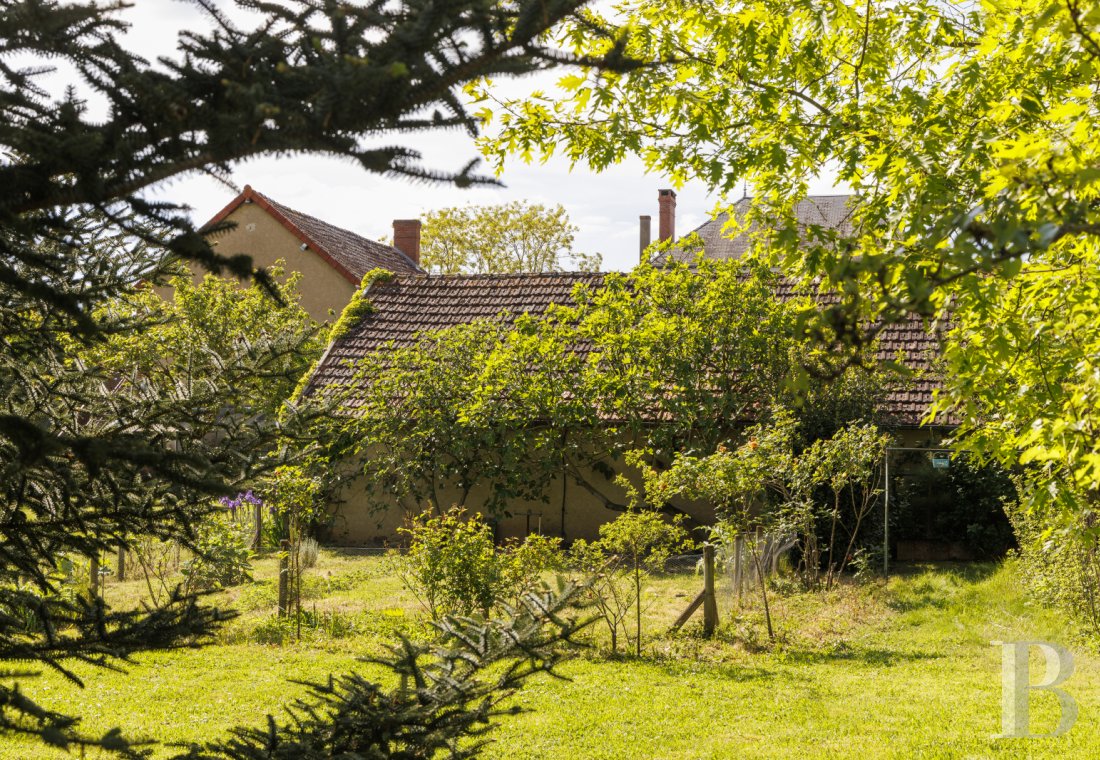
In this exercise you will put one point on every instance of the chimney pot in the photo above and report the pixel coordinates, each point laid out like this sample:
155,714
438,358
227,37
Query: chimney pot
645,232
666,203
406,238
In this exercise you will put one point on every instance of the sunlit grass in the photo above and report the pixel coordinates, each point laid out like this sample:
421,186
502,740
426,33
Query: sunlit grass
898,670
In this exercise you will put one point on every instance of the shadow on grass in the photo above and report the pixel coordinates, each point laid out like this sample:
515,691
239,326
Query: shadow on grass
870,656
778,665
934,585
730,671
971,572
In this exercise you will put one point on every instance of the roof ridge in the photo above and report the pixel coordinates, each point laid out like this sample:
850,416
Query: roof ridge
318,220
311,217
748,198
352,255
495,275
285,208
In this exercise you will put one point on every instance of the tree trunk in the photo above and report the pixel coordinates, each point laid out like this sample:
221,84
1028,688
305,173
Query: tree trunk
763,593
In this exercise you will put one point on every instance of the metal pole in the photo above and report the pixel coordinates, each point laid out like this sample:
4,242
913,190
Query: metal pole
886,500
886,520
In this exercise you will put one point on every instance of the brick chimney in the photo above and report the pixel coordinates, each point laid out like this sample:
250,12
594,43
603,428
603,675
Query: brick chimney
406,238
645,235
666,202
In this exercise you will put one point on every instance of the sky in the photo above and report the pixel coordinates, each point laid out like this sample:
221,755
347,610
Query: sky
604,206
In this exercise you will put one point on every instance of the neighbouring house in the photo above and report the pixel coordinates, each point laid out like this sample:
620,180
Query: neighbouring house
831,212
331,260
411,304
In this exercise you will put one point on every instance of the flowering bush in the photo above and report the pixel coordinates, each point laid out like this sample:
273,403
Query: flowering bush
240,500
222,557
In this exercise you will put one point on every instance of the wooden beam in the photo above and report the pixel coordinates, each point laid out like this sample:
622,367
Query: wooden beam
696,604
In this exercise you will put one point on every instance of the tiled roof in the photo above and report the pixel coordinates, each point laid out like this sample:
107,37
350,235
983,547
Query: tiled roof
350,254
408,305
827,211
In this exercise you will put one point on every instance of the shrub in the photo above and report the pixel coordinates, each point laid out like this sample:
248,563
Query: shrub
1061,567
526,561
308,553
222,558
631,546
453,566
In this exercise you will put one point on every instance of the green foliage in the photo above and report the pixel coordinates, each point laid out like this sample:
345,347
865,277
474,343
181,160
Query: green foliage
205,330
682,356
966,502
673,359
510,237
529,560
438,415
453,566
295,498
93,456
849,467
222,557
632,546
1062,567
324,626
765,489
968,134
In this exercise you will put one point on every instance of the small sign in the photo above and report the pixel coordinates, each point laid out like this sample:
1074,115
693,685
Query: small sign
941,461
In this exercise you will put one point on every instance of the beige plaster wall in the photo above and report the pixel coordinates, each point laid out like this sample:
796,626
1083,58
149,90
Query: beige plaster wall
358,522
324,290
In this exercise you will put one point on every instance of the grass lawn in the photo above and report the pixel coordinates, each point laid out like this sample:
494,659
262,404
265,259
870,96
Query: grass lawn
904,670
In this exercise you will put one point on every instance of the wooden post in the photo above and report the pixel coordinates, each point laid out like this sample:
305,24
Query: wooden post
258,521
686,614
738,570
284,576
710,602
93,573
120,564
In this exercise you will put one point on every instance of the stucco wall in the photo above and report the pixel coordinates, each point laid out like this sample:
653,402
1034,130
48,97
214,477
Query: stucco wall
360,522
257,234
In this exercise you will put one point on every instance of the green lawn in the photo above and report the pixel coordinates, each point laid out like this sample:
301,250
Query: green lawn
905,670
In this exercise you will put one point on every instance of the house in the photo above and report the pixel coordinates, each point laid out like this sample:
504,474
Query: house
410,304
828,212
331,260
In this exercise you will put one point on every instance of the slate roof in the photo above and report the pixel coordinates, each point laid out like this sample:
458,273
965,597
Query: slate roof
409,305
350,254
827,211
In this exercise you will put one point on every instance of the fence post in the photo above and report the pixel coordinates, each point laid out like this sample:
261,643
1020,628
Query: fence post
284,576
93,573
258,521
738,571
120,564
710,603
